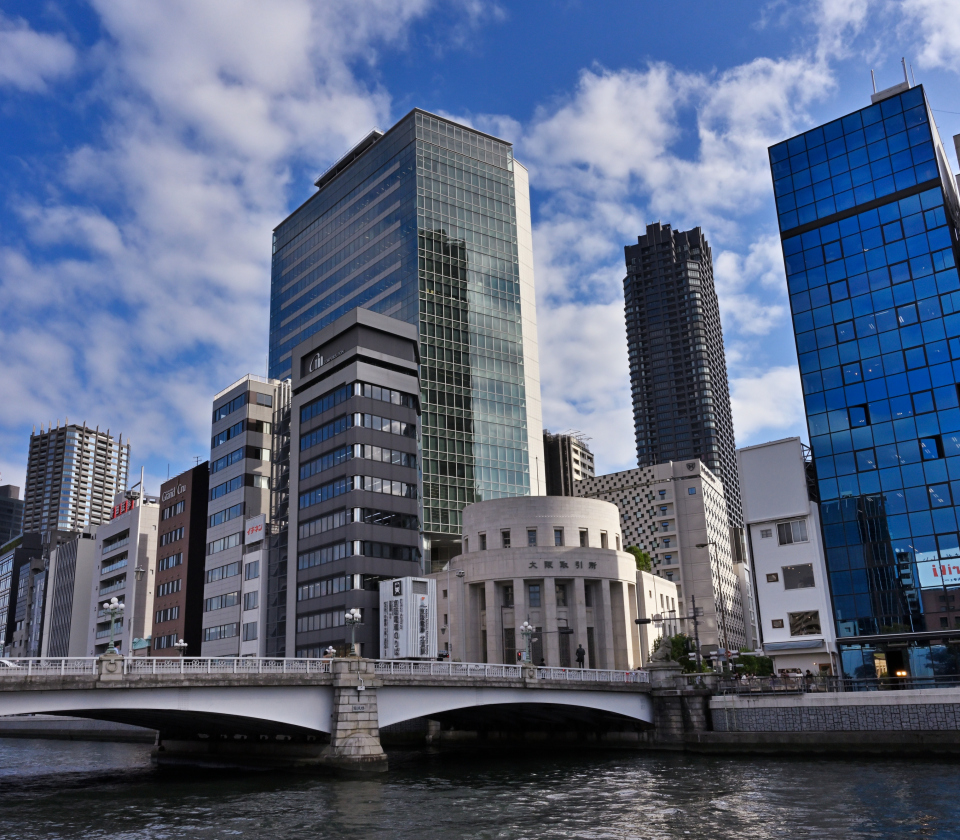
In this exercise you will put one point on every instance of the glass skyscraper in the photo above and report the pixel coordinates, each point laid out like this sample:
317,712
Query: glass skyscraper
430,223
869,214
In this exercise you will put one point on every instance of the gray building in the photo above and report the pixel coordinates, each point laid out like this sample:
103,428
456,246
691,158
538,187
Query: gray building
354,476
17,554
238,501
11,513
429,223
73,474
567,459
71,570
678,372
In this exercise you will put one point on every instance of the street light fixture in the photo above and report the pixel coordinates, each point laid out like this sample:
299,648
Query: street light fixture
139,572
181,646
527,631
114,608
330,651
353,618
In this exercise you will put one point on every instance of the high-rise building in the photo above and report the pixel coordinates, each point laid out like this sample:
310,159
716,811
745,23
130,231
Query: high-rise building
869,218
354,477
71,569
238,498
678,372
430,223
11,513
73,474
566,459
677,513
181,553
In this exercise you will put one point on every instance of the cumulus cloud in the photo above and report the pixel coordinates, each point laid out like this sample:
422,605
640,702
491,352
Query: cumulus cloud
29,60
770,402
938,26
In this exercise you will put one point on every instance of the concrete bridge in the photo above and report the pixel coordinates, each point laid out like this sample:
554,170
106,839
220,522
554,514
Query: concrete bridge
326,711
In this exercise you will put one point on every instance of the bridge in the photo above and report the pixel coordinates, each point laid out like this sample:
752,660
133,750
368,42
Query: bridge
319,711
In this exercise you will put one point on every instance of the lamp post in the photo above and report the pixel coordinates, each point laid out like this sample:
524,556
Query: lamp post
527,631
114,608
462,630
331,651
353,618
181,646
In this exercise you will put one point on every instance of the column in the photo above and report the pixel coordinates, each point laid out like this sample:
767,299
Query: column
580,623
551,639
494,630
604,627
519,610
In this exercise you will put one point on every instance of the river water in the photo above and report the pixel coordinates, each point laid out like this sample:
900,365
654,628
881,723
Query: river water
55,789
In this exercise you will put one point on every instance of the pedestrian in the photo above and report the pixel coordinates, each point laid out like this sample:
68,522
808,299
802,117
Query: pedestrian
581,655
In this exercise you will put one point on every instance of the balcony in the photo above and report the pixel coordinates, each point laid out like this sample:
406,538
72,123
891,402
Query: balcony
114,587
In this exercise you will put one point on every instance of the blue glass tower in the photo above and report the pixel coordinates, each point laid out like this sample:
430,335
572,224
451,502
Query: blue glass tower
429,223
869,215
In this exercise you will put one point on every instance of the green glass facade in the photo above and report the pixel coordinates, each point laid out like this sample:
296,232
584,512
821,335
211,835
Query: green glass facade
420,224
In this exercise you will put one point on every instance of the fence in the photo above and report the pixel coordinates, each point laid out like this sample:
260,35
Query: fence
804,685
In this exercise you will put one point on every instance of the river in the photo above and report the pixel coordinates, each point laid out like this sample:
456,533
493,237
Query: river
58,789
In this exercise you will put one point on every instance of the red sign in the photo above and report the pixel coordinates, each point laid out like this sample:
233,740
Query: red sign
123,507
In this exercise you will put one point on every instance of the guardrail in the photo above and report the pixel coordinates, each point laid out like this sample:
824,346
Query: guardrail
87,666
808,685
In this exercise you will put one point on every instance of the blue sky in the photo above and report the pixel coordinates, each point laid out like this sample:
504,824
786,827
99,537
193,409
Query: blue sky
147,149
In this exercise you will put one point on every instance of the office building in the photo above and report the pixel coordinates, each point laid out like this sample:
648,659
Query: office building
181,553
11,513
27,614
657,599
20,553
868,212
782,523
429,223
72,567
677,513
239,492
73,474
566,459
354,477
678,371
555,562
126,553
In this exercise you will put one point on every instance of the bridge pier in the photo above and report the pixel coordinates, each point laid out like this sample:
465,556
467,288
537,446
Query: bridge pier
678,709
355,720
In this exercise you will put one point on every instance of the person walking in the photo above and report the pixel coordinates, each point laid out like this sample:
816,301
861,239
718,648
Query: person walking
581,655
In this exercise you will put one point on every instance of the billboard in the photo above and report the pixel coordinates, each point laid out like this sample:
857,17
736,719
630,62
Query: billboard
408,623
256,529
939,573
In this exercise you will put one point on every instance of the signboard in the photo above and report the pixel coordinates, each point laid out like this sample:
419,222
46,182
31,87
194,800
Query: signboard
256,529
408,624
123,507
939,573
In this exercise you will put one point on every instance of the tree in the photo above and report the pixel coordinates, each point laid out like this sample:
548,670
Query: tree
755,666
681,646
644,563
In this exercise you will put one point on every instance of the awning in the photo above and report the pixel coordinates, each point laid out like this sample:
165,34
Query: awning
802,644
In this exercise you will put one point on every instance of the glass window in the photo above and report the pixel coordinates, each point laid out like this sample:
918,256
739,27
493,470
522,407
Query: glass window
798,577
508,596
533,591
792,532
531,536
505,539
805,623
584,538
483,542
558,536
603,539
692,491
766,533
561,595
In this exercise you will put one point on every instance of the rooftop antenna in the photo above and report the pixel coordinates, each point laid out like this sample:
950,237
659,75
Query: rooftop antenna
912,76
873,79
906,78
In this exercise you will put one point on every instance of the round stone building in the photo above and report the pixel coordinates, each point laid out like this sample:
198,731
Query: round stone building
554,561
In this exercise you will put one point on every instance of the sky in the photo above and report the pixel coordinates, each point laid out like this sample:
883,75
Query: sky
148,149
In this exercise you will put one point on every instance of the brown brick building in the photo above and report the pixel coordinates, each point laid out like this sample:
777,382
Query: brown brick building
181,546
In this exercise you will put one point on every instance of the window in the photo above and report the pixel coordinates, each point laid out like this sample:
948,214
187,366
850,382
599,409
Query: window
327,461
224,631
385,485
691,491
385,424
327,401
226,487
171,536
169,587
219,602
603,539
505,539
221,572
798,577
326,431
558,536
766,533
533,595
466,545
508,596
228,434
267,400
618,542
321,621
226,515
171,561
230,407
252,570
173,510
330,490
561,595
588,596
375,392
250,631
337,519
169,614
328,586
250,600
224,543
584,538
805,623
227,460
327,554
161,642
792,532
531,536
773,577
483,542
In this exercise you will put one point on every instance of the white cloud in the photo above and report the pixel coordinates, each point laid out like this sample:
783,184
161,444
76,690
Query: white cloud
770,402
938,24
30,59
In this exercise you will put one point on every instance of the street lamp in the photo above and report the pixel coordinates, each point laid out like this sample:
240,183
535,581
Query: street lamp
181,646
139,572
462,628
527,631
330,651
353,618
114,608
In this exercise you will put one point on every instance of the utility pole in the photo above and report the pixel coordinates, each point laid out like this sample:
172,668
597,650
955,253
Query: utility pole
696,630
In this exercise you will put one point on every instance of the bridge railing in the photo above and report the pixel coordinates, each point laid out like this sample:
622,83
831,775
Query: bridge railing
47,667
393,667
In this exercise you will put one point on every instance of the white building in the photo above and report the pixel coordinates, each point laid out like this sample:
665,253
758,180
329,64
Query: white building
783,532
553,561
126,554
677,512
657,600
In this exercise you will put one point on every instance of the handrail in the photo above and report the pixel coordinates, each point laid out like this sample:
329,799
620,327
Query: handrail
801,684
181,666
